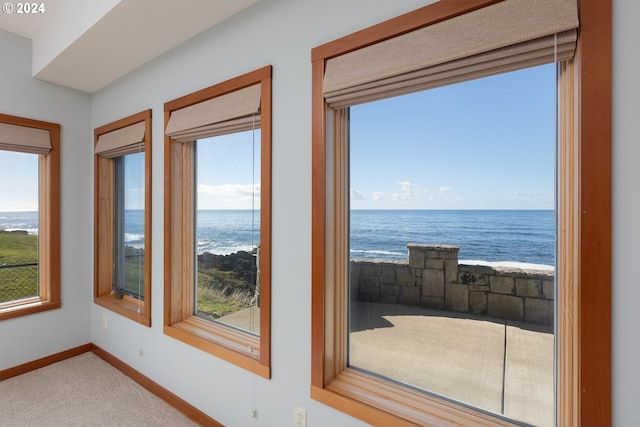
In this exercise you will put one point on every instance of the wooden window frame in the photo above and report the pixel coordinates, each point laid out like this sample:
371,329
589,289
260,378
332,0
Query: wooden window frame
240,348
129,307
584,239
48,227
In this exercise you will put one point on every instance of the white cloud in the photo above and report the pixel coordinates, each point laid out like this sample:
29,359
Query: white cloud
357,195
408,191
527,194
377,195
228,196
407,187
444,189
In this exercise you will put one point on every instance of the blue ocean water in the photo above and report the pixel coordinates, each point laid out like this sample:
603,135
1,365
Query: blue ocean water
219,232
27,221
223,232
526,236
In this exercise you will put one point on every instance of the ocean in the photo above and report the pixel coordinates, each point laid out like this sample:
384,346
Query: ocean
521,236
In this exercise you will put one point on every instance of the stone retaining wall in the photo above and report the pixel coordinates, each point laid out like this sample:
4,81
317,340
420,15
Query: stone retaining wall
432,277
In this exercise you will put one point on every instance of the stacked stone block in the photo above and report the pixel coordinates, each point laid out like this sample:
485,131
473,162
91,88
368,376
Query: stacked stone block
433,278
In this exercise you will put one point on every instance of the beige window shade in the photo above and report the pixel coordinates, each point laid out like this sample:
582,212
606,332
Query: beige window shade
506,36
126,140
234,112
24,139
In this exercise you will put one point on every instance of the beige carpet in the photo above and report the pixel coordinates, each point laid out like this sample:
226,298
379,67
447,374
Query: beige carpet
82,391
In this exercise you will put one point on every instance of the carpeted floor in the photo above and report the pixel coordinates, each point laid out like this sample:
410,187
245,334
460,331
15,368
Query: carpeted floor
82,391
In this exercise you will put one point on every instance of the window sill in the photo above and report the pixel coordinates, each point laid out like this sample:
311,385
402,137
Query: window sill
128,307
26,306
383,403
236,347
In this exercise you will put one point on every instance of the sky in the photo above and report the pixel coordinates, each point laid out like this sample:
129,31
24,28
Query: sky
134,181
484,144
18,181
228,171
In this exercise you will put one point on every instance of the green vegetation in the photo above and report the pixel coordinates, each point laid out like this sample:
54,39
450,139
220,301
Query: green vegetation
222,292
134,270
17,248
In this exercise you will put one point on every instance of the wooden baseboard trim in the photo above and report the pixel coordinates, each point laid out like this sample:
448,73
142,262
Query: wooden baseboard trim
45,361
187,409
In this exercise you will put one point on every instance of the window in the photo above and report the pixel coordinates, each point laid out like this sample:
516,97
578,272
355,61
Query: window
369,66
29,216
228,229
217,220
467,186
123,217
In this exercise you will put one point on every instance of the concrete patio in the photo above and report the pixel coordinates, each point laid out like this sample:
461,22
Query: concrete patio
501,366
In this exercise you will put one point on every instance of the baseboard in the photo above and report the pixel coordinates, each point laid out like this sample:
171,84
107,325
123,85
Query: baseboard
187,409
45,361
184,407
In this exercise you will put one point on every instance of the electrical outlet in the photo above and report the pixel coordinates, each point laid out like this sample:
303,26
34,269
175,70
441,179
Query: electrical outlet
140,353
299,417
104,320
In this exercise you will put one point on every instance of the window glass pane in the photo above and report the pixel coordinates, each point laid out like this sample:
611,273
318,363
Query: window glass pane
129,239
452,242
18,226
228,230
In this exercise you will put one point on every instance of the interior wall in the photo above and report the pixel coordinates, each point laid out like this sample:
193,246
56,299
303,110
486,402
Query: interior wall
626,211
34,336
281,33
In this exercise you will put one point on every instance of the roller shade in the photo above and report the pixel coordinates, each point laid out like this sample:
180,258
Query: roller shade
505,36
24,139
126,140
234,112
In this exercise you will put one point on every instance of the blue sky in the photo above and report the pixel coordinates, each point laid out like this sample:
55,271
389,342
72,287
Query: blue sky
483,144
134,181
228,171
18,181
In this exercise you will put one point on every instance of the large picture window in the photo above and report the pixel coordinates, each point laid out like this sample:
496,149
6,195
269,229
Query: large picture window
123,217
354,301
29,216
218,220
452,241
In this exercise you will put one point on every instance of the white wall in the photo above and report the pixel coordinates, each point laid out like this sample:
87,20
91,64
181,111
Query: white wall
31,337
281,33
626,213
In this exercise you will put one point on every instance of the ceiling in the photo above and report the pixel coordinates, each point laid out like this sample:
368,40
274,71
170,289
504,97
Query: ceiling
87,44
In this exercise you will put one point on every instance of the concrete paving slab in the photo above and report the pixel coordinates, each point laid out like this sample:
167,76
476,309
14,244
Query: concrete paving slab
247,319
505,367
458,356
528,390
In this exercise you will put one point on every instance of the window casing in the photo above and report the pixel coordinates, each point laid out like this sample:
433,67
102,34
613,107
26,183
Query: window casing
583,368
41,139
244,349
118,263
